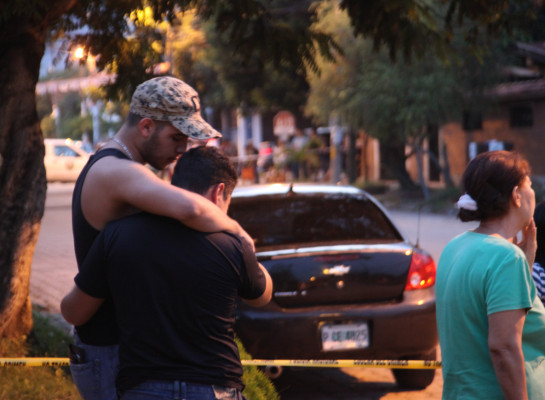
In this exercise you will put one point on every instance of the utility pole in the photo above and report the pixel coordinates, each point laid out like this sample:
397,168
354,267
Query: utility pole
335,154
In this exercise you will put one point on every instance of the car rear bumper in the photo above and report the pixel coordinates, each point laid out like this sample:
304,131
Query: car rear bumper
397,330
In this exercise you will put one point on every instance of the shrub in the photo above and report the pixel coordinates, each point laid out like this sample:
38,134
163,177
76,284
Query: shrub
47,339
258,386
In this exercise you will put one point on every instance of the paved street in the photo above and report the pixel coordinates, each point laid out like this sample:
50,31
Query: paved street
54,267
430,231
54,264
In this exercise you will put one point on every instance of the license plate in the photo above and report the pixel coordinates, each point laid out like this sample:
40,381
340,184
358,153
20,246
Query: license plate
345,336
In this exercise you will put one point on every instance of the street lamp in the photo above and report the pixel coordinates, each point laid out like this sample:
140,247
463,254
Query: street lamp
89,105
79,53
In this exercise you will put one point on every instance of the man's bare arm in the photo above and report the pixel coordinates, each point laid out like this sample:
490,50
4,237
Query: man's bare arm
107,196
77,307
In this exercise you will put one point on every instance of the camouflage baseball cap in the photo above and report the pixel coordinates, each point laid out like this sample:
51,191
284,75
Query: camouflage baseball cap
170,99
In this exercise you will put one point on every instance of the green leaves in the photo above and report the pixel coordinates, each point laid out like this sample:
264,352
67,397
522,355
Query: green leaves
415,27
388,100
279,33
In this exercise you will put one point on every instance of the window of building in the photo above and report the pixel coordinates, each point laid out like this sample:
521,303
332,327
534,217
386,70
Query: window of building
521,116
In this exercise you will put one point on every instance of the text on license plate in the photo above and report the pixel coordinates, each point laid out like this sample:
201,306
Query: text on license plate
345,336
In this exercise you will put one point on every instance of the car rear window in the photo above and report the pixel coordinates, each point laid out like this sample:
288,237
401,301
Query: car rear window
301,218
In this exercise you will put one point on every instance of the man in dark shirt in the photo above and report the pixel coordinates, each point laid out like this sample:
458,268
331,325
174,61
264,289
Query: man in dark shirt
164,114
174,290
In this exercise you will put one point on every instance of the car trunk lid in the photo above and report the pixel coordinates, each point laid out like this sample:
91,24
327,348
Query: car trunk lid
344,274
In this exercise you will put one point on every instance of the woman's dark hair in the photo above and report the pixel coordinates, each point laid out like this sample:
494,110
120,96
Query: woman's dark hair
539,219
489,179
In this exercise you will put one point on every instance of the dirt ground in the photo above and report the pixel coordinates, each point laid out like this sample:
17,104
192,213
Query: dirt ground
350,384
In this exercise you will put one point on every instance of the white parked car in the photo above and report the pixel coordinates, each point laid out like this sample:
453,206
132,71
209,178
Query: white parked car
63,160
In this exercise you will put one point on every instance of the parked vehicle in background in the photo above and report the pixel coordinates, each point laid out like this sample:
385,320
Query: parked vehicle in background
347,283
63,160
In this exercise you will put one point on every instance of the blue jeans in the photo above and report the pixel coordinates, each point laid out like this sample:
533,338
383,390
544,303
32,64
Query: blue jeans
95,378
176,390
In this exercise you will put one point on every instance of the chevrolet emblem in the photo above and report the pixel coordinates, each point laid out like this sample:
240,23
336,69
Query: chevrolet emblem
337,270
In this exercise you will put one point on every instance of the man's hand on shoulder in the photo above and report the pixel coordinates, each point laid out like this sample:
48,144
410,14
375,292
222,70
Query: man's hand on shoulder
115,188
245,237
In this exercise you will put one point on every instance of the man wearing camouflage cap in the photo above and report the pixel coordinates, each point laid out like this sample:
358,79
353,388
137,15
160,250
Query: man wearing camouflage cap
115,183
169,99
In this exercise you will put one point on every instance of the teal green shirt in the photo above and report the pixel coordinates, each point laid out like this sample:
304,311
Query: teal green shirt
479,275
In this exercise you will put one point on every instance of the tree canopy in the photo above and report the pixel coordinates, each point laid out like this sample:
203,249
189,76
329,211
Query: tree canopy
277,31
255,29
398,102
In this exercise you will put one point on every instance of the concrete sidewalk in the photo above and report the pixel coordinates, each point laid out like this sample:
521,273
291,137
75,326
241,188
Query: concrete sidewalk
54,262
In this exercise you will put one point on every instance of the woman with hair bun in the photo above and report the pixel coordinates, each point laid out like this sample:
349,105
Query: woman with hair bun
490,322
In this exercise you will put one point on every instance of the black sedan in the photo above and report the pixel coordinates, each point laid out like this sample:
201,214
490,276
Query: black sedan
347,284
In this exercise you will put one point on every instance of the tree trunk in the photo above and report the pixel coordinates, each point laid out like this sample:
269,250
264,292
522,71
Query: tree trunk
393,159
22,172
364,170
420,165
446,169
351,157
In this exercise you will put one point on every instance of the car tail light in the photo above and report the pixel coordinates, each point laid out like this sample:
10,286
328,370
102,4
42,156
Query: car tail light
421,272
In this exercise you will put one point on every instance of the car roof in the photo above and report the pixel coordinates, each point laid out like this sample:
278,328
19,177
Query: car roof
75,145
284,188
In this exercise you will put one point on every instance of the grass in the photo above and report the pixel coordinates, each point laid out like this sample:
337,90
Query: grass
48,339
42,383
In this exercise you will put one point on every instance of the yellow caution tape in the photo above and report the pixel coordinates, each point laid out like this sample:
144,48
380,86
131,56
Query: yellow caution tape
395,364
34,362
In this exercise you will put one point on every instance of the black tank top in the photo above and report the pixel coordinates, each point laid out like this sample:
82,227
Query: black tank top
101,329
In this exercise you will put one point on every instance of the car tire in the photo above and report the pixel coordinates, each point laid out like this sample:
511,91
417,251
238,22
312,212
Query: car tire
416,378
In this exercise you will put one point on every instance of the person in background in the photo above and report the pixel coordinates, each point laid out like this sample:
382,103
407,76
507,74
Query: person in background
490,322
297,155
280,161
164,113
175,291
249,171
538,270
229,148
313,147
